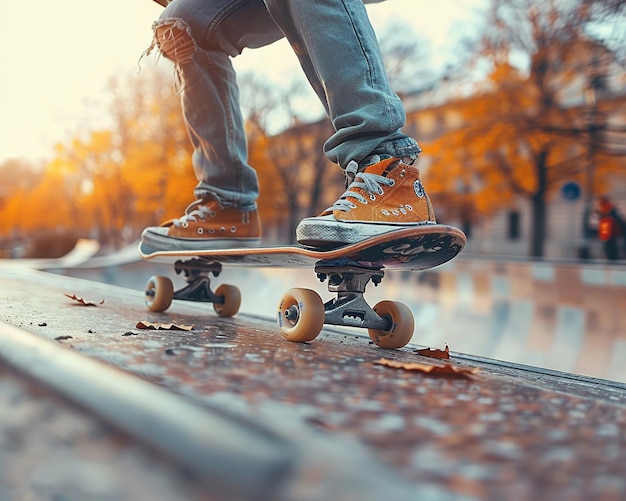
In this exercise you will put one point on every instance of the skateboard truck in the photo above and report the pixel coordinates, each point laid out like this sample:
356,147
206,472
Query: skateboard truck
302,314
197,275
160,291
350,307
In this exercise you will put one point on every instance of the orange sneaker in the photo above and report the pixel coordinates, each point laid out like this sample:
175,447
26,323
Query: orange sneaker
386,196
206,225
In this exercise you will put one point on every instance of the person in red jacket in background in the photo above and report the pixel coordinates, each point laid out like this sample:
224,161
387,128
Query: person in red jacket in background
611,227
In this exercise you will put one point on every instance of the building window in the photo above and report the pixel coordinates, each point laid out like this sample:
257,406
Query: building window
514,225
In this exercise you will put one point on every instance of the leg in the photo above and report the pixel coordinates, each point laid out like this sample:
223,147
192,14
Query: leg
339,53
200,37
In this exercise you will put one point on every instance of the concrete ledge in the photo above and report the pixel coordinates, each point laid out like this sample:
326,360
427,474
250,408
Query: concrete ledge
238,457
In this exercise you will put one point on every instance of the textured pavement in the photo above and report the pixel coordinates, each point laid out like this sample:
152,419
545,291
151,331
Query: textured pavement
564,316
508,432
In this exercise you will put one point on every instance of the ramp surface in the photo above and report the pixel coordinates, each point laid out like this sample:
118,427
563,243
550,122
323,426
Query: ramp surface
565,316
344,424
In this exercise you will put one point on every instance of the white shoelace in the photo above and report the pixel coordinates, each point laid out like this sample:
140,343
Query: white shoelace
371,183
192,214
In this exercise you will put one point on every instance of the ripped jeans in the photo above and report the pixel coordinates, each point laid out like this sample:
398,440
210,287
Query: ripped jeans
338,51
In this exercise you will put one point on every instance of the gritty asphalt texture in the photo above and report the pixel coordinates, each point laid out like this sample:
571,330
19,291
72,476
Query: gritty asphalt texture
507,432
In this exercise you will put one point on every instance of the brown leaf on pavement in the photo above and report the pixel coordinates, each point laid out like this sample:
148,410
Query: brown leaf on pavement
81,302
144,324
440,354
436,370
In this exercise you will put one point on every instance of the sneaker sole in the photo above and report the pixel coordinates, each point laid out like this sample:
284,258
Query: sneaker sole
157,241
321,233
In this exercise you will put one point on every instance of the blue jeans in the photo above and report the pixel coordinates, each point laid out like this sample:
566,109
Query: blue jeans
338,51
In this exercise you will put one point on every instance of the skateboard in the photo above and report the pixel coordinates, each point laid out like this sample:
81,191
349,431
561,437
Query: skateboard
301,314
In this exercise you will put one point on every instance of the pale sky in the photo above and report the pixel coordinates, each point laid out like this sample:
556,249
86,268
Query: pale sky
57,56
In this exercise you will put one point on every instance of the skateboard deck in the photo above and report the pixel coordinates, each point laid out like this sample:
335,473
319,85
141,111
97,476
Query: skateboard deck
348,269
418,248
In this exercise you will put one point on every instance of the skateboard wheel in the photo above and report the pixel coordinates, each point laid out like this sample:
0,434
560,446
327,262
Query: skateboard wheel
159,293
300,315
232,300
402,324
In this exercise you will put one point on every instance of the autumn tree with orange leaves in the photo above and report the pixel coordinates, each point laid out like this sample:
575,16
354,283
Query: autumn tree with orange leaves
524,135
109,183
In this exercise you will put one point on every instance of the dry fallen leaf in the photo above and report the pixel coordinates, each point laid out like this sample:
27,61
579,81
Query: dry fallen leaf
144,324
82,302
437,370
440,354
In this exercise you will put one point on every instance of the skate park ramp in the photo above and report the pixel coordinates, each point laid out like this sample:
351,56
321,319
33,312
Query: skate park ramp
83,251
564,316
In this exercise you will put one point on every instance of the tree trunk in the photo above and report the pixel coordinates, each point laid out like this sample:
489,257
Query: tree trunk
539,208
